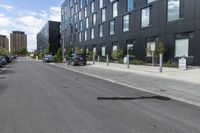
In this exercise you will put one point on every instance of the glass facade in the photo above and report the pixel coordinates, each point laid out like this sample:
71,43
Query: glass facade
115,9
103,15
112,27
145,17
130,5
101,30
181,47
173,12
126,23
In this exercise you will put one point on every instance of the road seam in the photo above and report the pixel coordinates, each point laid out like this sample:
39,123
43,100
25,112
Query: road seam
131,86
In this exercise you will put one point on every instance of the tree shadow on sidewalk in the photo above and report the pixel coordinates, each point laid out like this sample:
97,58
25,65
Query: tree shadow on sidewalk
134,98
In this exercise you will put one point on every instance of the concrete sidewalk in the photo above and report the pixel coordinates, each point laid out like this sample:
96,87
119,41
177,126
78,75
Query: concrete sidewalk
172,83
190,75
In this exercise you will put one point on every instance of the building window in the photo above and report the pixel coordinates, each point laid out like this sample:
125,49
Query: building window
149,1
130,5
130,47
94,19
101,30
86,2
115,9
87,22
182,47
92,7
103,15
76,8
126,23
92,33
148,47
74,38
81,25
85,10
81,3
70,3
145,17
75,20
86,35
76,27
112,27
103,51
79,15
101,3
173,12
80,37
115,46
94,50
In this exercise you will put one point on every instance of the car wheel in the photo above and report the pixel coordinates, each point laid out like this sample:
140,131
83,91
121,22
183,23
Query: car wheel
84,64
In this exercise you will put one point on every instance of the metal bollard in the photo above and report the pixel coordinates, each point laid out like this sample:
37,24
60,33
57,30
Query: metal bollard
161,63
93,58
98,58
128,58
107,59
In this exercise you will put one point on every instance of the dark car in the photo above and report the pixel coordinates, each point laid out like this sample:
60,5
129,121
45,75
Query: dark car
77,59
8,58
2,60
47,58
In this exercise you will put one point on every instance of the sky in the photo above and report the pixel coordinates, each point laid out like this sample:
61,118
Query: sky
28,16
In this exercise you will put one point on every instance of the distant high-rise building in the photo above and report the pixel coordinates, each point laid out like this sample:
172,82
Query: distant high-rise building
4,43
18,40
49,37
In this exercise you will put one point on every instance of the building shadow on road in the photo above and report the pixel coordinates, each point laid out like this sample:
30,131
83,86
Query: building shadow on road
134,98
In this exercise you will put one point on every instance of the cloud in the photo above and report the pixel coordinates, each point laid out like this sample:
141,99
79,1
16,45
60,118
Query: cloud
4,21
7,7
29,21
55,14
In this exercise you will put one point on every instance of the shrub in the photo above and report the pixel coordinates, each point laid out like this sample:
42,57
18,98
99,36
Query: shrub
171,63
79,51
138,62
118,55
69,52
55,58
59,55
103,59
90,55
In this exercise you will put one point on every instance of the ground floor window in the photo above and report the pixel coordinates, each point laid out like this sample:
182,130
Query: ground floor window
103,51
115,46
130,47
181,47
148,48
94,50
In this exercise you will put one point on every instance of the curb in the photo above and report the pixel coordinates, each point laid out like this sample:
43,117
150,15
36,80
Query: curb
195,103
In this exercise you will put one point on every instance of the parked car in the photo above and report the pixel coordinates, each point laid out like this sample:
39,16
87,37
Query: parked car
77,59
47,58
8,58
3,60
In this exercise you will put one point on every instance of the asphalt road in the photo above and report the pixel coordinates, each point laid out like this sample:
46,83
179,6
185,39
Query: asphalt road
39,98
